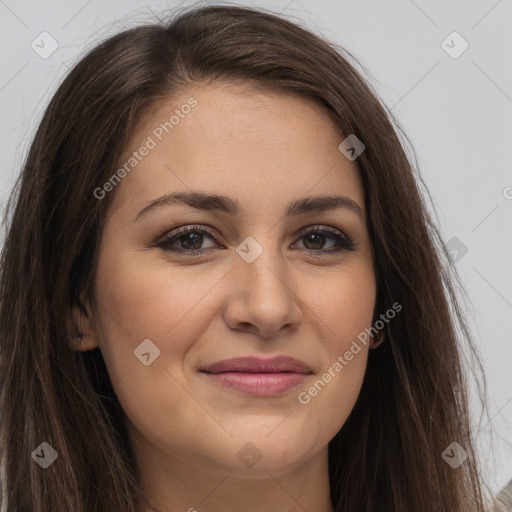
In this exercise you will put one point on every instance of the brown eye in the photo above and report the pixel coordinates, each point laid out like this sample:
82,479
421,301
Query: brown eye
315,239
192,240
186,240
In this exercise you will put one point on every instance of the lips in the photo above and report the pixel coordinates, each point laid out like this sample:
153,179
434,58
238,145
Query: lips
256,376
277,364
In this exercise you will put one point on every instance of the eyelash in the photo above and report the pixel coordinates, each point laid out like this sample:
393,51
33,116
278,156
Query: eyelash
342,241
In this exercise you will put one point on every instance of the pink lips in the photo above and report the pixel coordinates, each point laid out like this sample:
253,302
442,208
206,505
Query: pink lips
256,376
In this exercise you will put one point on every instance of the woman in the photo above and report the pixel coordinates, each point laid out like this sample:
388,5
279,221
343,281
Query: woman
215,223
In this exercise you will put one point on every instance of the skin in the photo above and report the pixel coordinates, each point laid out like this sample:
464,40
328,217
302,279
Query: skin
263,150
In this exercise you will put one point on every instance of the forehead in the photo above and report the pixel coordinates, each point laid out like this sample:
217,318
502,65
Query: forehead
232,140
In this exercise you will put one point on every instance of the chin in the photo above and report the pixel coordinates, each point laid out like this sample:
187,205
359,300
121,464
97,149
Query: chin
257,451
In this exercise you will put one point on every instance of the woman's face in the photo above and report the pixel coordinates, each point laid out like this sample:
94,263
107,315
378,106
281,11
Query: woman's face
266,280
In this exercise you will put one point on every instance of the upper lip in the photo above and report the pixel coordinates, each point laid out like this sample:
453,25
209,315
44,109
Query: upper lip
258,365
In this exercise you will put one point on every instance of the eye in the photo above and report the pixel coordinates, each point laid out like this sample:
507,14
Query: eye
189,240
316,237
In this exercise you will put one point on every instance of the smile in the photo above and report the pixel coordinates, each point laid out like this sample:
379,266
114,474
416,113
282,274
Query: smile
259,377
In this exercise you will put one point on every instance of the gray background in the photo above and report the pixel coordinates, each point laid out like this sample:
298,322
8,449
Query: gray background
457,111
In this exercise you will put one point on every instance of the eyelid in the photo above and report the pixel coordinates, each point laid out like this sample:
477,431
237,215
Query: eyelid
320,227
169,234
166,232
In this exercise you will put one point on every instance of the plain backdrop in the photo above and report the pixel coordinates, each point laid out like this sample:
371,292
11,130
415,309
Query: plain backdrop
454,102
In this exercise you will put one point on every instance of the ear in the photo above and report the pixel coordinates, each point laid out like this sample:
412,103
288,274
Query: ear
375,342
82,331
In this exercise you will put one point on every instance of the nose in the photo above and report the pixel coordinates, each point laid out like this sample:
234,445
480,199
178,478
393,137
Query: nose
261,298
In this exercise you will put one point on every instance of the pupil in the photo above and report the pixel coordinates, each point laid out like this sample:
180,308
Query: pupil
192,237
320,239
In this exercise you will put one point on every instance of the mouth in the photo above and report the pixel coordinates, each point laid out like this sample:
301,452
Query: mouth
256,376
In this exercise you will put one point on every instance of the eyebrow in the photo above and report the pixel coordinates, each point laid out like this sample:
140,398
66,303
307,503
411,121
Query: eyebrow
213,202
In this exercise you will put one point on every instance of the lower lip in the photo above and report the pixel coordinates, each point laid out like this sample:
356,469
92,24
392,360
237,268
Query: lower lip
260,384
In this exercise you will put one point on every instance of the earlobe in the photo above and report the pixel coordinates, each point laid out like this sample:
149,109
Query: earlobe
375,342
82,333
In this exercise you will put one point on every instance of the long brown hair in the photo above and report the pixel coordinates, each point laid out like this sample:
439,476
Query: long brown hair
413,402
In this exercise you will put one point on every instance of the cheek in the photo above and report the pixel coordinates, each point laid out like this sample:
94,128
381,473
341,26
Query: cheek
343,305
140,298
137,301
342,310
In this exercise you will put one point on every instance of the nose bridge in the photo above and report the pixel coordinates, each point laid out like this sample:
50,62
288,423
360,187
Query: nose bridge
263,263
